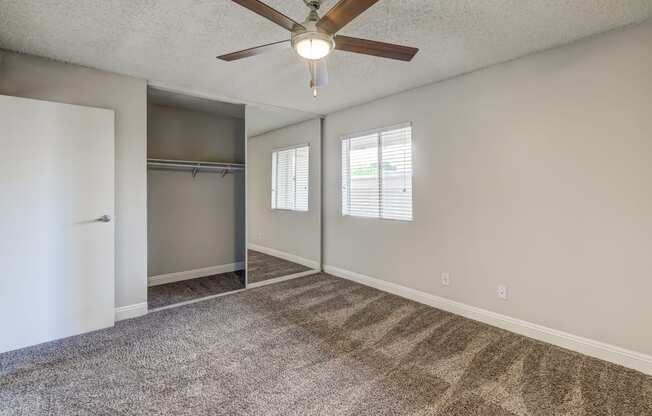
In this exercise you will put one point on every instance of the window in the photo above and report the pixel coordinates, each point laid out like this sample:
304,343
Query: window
377,174
290,178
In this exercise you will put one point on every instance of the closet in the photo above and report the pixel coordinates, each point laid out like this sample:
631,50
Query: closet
195,198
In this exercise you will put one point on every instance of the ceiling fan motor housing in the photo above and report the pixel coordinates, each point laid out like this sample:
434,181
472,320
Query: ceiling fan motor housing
314,5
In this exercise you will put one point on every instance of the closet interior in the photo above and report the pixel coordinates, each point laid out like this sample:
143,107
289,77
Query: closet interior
195,198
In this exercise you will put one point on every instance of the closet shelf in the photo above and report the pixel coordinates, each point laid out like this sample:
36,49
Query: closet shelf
195,166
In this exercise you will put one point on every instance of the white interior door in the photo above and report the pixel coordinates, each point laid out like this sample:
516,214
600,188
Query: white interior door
56,257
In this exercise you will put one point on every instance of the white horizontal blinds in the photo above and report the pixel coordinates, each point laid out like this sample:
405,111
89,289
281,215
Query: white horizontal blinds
396,173
346,179
362,176
274,178
290,178
285,179
377,174
302,167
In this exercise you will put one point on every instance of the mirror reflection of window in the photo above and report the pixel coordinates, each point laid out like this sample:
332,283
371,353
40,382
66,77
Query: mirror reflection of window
290,178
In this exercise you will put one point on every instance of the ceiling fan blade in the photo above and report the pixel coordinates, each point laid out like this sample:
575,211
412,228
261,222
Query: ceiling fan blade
375,48
270,13
255,51
342,13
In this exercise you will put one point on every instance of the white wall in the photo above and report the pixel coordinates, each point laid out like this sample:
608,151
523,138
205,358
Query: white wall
194,223
536,174
32,77
296,233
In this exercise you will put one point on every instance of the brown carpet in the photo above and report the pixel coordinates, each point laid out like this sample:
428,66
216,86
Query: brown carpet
313,346
261,267
185,290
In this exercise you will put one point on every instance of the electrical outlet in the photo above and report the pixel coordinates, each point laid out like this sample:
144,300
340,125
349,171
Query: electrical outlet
260,236
502,292
446,279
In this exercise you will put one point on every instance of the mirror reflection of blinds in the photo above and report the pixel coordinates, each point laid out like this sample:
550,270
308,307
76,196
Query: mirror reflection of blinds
302,175
377,174
290,178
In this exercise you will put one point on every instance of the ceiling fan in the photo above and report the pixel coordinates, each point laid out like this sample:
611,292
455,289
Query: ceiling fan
316,37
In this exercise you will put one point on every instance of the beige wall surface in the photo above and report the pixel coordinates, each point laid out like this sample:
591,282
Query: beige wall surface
194,222
176,133
38,78
296,233
535,174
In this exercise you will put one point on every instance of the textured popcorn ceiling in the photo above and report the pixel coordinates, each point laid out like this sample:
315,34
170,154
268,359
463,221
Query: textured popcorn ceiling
174,42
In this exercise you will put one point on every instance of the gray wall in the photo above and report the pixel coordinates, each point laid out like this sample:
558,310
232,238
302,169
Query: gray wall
535,174
32,77
296,233
194,223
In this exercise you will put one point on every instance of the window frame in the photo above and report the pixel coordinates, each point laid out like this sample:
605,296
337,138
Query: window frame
378,131
274,172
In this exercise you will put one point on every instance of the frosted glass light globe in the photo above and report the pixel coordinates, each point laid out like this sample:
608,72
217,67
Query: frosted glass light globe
313,46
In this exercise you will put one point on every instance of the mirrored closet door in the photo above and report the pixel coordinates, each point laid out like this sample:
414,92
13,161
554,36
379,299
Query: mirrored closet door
283,195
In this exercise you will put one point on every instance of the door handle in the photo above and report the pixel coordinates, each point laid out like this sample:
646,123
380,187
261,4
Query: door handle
104,218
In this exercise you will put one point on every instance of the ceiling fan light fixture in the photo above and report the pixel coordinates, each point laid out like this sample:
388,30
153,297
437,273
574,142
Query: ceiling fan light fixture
313,45
316,37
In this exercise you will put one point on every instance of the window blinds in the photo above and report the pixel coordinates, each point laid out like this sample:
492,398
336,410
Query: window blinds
377,174
290,178
302,176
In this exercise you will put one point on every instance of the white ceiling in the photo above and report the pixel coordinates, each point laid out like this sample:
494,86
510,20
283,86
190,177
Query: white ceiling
174,42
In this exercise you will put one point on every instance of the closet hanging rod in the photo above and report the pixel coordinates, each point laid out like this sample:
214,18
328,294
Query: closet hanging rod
195,165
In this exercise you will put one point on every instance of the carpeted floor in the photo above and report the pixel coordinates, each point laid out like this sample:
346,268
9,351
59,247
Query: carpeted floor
261,267
183,291
317,345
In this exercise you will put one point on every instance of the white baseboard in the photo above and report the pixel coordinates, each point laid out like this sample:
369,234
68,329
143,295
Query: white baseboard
130,311
162,279
627,358
285,256
282,279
